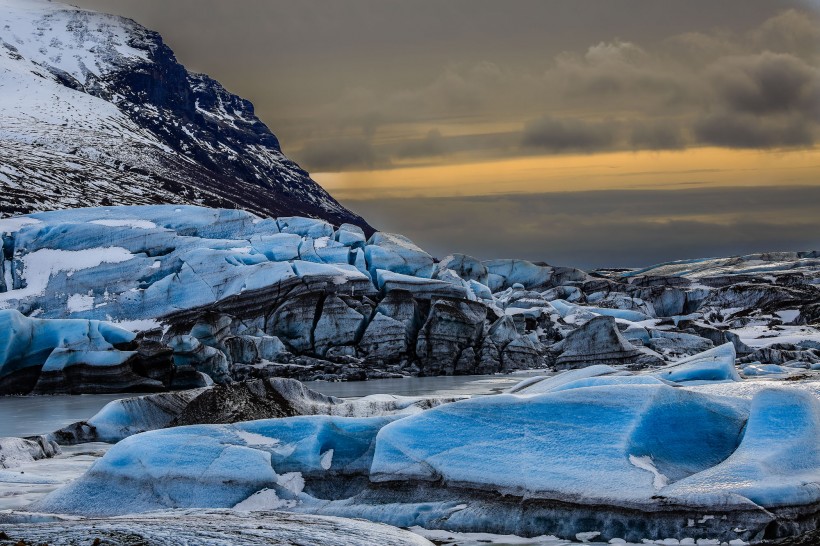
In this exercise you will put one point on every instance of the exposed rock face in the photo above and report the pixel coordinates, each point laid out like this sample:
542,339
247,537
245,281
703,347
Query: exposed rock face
134,125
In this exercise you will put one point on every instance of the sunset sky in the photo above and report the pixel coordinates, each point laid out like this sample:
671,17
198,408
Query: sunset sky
579,132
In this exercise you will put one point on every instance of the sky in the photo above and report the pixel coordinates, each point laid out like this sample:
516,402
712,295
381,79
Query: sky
580,132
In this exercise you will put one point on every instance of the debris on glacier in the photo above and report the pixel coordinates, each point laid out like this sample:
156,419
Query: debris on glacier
224,404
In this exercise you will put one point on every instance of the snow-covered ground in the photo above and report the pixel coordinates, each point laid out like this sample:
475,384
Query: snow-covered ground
22,485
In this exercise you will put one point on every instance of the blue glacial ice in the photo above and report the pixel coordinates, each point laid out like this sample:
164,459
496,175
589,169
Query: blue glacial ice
776,464
30,345
615,450
573,445
716,364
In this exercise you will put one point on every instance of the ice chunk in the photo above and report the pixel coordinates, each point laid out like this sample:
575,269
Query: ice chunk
776,464
185,467
716,364
572,444
764,369
397,253
27,344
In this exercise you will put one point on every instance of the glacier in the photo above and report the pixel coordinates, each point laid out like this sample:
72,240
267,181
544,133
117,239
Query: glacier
629,458
217,295
639,424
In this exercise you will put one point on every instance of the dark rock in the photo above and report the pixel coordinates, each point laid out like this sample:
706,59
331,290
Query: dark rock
250,400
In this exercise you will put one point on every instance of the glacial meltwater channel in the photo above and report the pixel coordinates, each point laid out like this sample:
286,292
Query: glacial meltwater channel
32,415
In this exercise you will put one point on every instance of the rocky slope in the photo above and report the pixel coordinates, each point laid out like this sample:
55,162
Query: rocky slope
163,297
96,110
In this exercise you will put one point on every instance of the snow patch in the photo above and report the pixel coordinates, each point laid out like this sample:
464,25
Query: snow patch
646,463
128,222
80,302
327,459
42,264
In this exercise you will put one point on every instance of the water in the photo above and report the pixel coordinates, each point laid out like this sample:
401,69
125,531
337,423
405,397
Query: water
31,415
423,386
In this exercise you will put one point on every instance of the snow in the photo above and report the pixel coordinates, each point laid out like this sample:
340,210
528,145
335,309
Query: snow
132,223
43,264
79,302
33,480
788,315
10,225
266,499
645,462
762,336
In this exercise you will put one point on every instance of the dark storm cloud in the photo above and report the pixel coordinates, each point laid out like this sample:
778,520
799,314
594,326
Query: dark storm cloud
607,228
737,130
766,83
562,135
364,84
657,135
339,154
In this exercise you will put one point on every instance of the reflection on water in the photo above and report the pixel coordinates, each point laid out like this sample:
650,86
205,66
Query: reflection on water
30,415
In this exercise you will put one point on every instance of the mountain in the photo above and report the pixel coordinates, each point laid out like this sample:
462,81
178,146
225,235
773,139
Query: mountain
96,110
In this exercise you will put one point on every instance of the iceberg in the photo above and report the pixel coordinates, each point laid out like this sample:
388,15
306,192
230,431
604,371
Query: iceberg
777,463
66,355
626,456
716,364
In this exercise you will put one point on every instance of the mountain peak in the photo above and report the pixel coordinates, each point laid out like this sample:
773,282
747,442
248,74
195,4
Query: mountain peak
97,110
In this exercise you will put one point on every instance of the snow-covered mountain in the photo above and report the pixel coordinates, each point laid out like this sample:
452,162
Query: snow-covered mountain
96,110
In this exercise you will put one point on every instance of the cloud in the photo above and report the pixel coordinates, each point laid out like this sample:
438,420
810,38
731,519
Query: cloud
765,83
564,135
657,135
755,88
627,228
739,130
338,154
